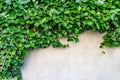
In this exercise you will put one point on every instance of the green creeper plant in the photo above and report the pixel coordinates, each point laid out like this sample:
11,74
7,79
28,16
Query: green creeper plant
31,24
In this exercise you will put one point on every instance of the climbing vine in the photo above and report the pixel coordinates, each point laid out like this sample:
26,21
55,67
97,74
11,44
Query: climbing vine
31,24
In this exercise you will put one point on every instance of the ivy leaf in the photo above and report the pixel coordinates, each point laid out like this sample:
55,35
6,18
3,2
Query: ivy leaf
115,44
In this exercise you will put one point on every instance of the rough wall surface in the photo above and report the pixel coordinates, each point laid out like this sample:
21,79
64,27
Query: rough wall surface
81,61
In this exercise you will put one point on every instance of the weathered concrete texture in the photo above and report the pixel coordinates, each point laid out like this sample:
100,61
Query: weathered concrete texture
81,61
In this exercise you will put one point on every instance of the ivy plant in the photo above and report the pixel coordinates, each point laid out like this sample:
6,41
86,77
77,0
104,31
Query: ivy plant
31,24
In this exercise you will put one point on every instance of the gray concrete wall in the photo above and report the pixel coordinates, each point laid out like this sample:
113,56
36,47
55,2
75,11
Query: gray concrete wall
81,61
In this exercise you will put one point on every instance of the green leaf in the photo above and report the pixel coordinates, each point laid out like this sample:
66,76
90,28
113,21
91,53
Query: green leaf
115,44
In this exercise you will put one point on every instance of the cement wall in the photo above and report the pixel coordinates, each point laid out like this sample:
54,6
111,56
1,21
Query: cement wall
81,61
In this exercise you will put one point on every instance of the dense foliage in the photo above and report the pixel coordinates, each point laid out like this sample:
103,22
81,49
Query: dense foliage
30,24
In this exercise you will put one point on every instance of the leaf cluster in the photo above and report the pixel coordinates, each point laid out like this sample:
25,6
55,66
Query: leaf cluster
31,24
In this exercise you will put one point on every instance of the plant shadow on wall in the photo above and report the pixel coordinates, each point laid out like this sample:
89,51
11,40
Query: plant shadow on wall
30,24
